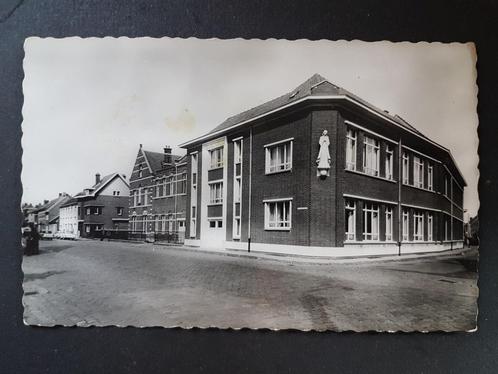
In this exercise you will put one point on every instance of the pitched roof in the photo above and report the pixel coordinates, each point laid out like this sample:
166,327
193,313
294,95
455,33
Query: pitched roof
314,86
97,186
71,201
155,159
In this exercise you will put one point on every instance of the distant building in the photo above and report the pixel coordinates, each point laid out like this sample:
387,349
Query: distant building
158,193
47,216
100,208
321,172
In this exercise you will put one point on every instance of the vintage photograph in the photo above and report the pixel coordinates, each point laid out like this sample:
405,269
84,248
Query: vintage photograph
262,184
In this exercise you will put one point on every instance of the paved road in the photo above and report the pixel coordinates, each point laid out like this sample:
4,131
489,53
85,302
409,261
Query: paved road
112,283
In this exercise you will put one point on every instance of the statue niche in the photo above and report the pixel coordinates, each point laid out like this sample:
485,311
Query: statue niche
323,160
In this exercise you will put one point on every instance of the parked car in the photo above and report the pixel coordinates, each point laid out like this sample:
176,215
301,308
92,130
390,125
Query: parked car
47,235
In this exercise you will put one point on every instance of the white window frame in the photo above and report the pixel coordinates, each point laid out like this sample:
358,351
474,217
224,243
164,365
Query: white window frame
430,177
351,149
182,181
216,158
279,166
217,197
389,162
418,172
276,225
405,227
371,210
418,226
406,168
371,156
237,151
350,229
193,170
193,221
389,223
430,227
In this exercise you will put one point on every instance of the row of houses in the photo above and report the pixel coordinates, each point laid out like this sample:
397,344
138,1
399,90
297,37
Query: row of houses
317,171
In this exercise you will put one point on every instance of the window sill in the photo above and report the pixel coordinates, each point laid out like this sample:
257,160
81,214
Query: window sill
216,168
371,176
277,228
369,242
418,188
278,171
215,204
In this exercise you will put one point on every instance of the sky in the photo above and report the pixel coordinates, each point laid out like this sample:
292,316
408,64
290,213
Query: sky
89,103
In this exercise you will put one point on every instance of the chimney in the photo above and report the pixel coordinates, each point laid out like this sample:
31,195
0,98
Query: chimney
60,194
45,202
167,155
97,178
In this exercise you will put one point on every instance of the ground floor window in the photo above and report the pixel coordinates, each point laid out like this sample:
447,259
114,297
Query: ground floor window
405,225
389,224
418,226
236,228
350,220
278,215
215,223
371,221
430,228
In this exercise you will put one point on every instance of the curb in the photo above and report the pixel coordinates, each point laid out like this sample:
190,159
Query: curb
310,260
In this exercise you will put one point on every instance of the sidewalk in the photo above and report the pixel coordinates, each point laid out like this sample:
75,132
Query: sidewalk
450,254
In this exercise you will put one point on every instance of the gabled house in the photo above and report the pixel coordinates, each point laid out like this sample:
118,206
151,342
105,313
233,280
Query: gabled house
47,216
319,171
97,209
158,192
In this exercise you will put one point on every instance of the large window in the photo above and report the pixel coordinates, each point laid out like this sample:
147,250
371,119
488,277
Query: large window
350,220
430,228
430,177
279,157
182,184
169,186
193,165
371,221
389,223
351,150
237,189
406,169
237,151
418,172
418,227
216,158
406,225
371,156
389,162
216,193
278,215
160,187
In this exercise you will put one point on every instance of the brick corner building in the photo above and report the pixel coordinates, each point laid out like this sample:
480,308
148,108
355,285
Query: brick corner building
321,172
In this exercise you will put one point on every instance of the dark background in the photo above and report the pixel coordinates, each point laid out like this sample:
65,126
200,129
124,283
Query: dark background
71,350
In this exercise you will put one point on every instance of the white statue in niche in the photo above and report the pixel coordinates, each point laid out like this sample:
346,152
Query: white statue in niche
323,161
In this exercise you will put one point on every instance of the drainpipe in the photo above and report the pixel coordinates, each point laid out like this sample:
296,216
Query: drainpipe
400,184
250,193
176,197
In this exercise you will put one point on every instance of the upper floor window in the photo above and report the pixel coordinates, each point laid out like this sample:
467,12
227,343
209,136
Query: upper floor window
406,169
237,151
371,156
216,193
351,150
350,220
446,186
193,165
418,172
119,211
389,223
88,211
237,190
389,162
160,188
278,215
216,158
181,184
140,171
430,177
418,227
169,186
279,157
371,221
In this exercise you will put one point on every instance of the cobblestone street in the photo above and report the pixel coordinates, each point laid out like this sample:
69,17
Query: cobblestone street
113,283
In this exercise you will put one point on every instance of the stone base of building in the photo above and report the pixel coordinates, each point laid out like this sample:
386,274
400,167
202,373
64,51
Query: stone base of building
349,250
